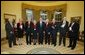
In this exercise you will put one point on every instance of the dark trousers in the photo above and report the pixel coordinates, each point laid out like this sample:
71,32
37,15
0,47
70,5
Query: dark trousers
31,37
54,39
35,37
62,37
72,42
41,38
15,37
14,40
47,39
28,39
11,39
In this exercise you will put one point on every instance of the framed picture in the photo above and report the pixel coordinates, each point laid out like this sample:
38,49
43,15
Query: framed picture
9,17
77,19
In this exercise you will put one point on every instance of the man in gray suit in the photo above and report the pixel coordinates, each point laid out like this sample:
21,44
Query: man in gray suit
10,33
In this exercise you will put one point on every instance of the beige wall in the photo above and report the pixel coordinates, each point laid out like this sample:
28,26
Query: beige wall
10,8
74,8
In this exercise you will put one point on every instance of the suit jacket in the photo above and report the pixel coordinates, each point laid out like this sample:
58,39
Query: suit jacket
27,28
31,27
53,29
64,29
19,30
9,29
48,28
58,24
40,29
15,31
34,30
75,31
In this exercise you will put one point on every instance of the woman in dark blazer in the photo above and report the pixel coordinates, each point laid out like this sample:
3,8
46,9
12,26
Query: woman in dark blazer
34,32
20,31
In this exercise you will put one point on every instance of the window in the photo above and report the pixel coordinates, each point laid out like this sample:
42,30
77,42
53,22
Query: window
29,14
43,15
58,15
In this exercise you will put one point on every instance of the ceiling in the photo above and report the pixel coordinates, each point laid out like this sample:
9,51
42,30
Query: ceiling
44,3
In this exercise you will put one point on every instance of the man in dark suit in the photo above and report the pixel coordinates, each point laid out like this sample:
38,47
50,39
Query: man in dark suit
27,30
73,34
63,31
41,30
53,32
58,24
10,33
31,31
47,32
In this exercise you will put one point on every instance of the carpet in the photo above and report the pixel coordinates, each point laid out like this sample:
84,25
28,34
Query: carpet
42,50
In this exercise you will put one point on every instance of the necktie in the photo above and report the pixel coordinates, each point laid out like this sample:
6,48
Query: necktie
41,25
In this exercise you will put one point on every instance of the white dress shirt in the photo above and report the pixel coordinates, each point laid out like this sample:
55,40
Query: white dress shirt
63,25
70,28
